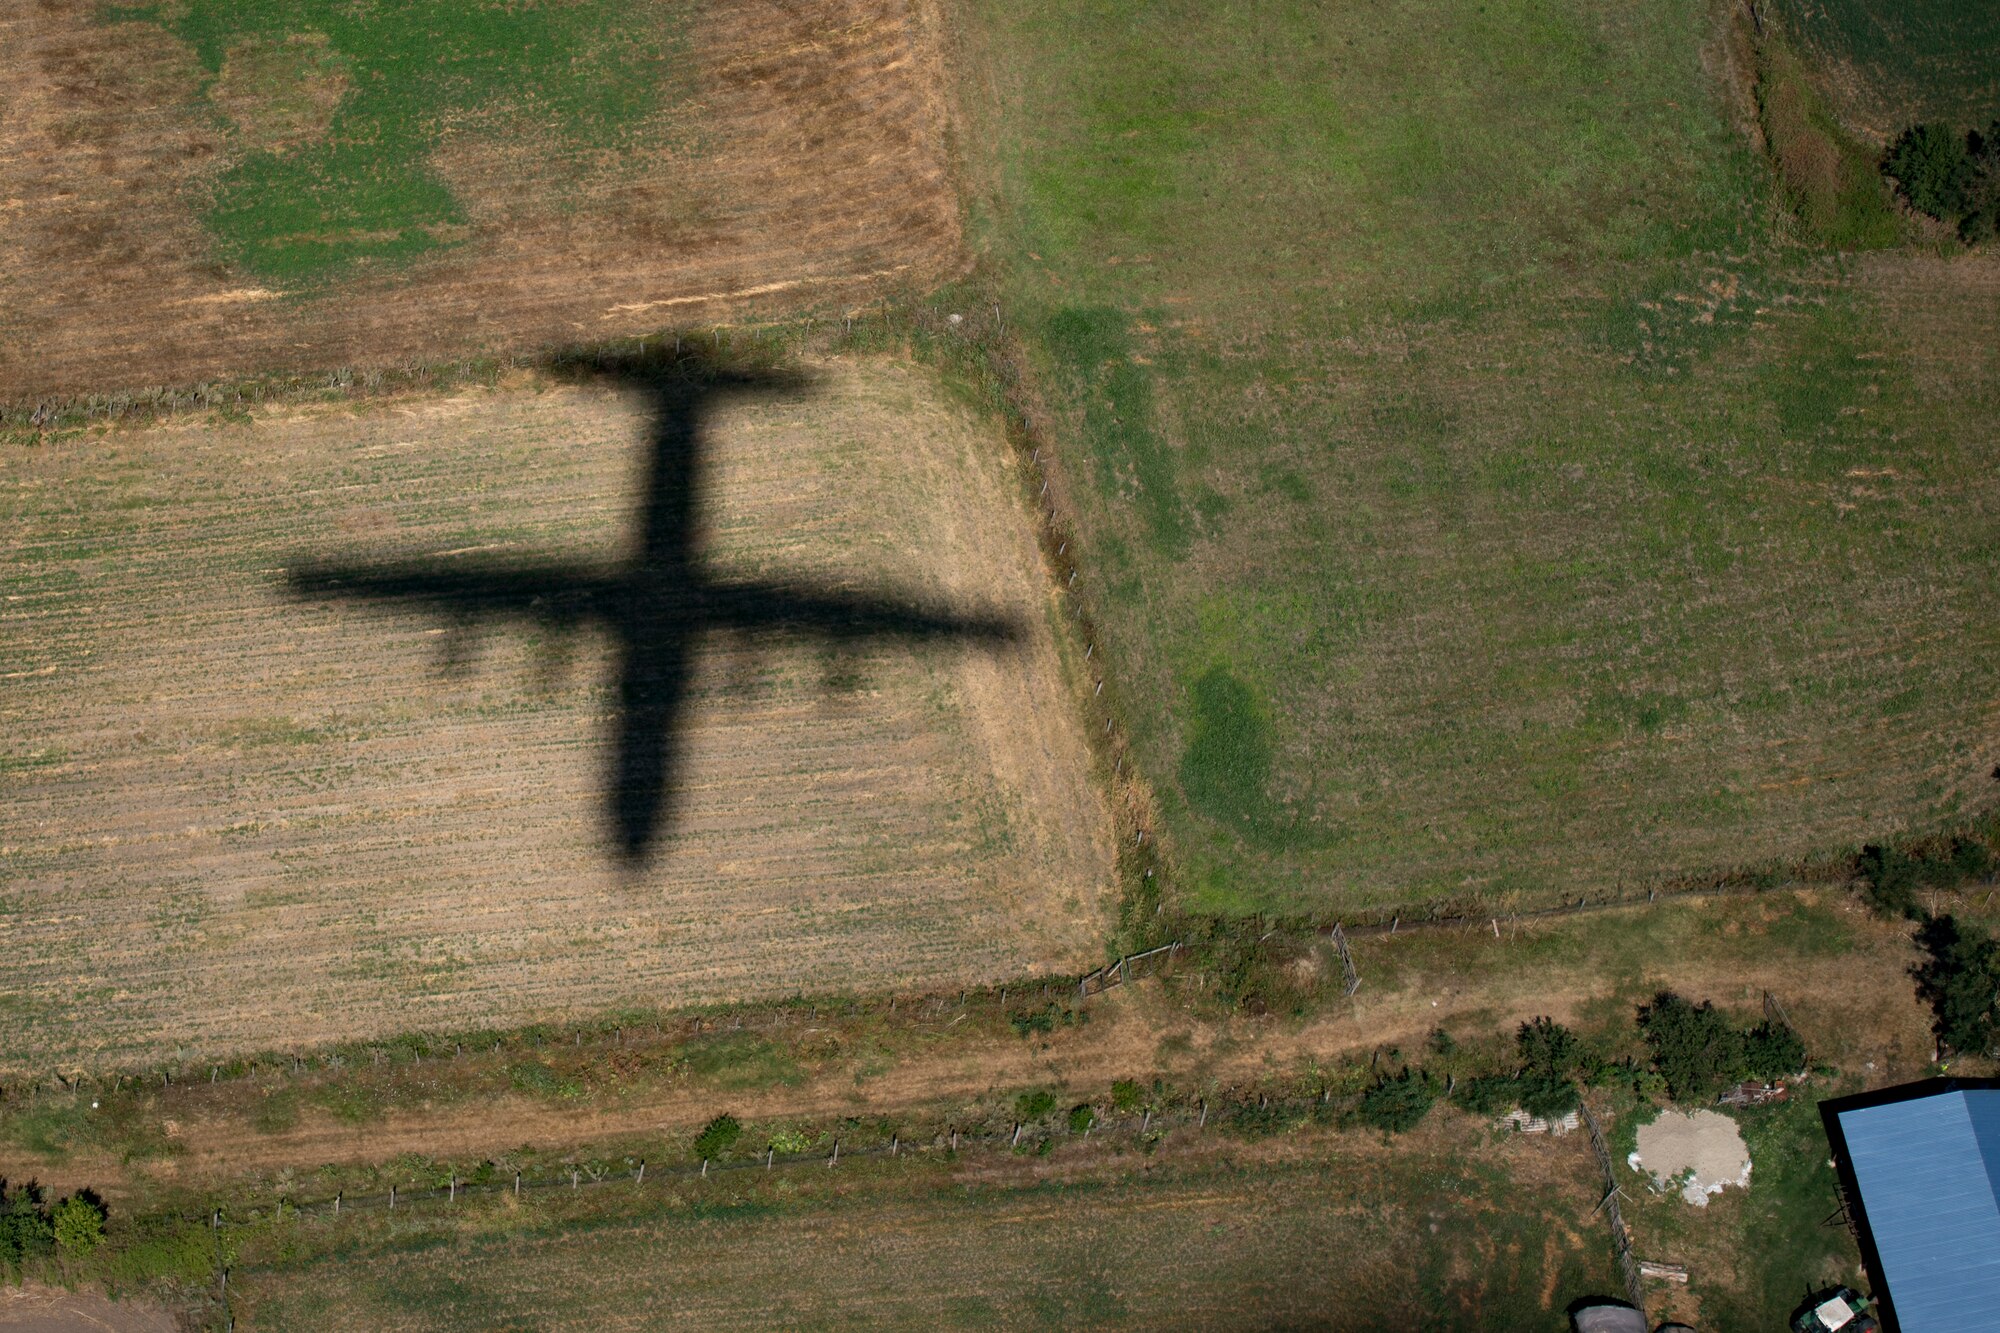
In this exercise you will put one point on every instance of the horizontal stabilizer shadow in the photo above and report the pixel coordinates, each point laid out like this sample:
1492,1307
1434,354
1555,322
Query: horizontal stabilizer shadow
655,606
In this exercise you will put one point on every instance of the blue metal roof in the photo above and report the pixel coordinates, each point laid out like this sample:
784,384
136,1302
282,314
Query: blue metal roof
1927,1168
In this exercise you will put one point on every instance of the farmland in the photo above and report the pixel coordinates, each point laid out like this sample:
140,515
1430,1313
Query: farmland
1886,67
235,820
1479,501
1422,1241
209,189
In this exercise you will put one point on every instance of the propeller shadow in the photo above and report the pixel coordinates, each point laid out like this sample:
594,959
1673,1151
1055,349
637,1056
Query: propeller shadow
656,606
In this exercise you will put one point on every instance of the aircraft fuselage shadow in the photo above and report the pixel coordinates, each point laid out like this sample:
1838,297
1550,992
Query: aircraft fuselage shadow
656,606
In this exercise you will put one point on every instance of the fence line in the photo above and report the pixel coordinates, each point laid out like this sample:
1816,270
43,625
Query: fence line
1621,1239
579,1177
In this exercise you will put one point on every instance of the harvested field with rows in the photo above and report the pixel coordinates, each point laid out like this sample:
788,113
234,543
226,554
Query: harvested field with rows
235,820
204,189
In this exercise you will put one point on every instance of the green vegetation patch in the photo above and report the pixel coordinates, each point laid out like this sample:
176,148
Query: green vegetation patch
1479,501
339,109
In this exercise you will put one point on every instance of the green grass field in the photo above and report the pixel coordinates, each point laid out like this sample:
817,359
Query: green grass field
1478,501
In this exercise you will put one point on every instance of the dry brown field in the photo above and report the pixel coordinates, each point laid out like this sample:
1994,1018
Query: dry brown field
806,161
231,820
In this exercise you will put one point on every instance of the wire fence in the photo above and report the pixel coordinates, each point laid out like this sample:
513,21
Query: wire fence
1621,1239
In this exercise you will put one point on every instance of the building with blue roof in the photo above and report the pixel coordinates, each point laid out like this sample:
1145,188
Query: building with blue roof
1920,1165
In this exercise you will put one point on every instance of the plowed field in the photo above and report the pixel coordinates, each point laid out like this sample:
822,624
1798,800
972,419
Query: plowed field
230,819
196,190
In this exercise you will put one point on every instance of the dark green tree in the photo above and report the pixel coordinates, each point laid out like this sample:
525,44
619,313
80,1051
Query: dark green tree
1930,166
717,1137
1771,1051
1549,1054
1695,1049
1960,980
25,1230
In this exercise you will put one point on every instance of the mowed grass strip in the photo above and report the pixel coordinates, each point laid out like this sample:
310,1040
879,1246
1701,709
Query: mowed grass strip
235,821
1420,1240
1478,503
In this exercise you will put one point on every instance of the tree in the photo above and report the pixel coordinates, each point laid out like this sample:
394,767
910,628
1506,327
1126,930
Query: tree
1960,980
1930,166
1695,1048
78,1224
1771,1051
717,1138
1549,1055
25,1232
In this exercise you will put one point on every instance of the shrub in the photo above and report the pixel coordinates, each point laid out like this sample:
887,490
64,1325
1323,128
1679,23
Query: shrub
1960,980
1930,166
1489,1095
1398,1102
78,1224
790,1142
1125,1094
1695,1049
717,1138
1034,1105
1441,1042
1256,1120
1081,1118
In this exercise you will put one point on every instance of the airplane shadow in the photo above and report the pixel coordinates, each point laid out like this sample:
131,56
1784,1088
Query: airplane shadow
656,606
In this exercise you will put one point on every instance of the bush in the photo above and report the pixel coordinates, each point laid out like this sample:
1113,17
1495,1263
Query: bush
1441,1042
1932,170
78,1224
1695,1049
1125,1094
790,1142
1398,1102
1960,980
1489,1095
1081,1118
717,1138
1033,1105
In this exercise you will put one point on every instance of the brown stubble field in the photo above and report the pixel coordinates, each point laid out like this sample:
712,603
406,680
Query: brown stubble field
232,821
815,170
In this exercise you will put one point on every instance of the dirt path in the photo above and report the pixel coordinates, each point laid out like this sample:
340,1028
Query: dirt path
1860,1014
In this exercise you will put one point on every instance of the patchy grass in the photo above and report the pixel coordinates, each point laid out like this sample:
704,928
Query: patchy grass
1479,503
339,109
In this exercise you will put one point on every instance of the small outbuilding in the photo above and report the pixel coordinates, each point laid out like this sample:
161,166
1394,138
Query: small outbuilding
1920,1167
